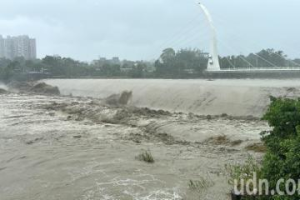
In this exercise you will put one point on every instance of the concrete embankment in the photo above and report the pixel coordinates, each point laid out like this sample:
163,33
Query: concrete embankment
203,97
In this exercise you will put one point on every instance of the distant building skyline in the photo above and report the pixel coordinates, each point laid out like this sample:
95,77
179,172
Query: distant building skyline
13,47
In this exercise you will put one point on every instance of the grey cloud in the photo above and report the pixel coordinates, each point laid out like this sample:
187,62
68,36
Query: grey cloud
137,29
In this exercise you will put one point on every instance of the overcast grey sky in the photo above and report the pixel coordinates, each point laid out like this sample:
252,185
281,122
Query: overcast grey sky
140,29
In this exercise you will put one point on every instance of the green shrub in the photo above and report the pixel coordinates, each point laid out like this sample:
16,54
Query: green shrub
282,159
145,156
282,146
243,171
200,185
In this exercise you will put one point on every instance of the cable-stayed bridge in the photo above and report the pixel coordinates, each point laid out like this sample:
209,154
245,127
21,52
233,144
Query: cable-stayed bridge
215,65
213,61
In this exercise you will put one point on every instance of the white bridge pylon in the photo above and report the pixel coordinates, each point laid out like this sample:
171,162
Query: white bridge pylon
213,61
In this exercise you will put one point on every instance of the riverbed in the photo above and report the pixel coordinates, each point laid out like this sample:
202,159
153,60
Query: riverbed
76,147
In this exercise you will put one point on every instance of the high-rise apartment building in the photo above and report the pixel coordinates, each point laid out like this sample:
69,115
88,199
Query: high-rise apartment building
1,47
20,46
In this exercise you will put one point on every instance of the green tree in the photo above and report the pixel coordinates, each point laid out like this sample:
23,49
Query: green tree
168,55
181,64
138,70
282,159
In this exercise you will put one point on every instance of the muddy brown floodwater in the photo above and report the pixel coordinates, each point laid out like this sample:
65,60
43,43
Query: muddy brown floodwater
75,148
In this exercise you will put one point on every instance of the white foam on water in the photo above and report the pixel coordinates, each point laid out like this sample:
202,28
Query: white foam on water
3,86
233,97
